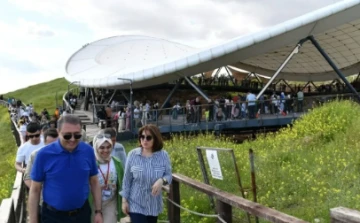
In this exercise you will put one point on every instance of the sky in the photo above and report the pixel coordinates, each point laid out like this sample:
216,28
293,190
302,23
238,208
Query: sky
37,37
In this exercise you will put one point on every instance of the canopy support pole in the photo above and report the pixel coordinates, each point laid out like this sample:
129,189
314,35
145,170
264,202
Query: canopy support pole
94,101
295,51
314,85
229,74
171,94
178,83
196,88
333,66
126,96
357,77
288,85
112,96
86,99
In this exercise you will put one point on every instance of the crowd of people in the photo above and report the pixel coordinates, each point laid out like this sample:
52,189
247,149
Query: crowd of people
241,106
72,180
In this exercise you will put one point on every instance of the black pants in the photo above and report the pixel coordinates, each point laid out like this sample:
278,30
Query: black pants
252,111
49,215
140,218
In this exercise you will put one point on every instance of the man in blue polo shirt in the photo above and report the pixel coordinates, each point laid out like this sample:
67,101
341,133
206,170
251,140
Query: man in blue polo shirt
67,170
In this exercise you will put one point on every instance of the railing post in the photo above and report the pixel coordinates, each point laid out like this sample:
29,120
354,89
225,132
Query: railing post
224,210
344,215
174,195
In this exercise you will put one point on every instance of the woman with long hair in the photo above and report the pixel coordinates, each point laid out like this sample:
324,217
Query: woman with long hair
147,169
110,177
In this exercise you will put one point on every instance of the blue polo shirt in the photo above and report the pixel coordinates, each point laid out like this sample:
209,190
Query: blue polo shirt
65,175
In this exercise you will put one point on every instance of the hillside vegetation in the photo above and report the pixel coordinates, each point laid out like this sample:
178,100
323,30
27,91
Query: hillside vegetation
42,95
8,150
303,170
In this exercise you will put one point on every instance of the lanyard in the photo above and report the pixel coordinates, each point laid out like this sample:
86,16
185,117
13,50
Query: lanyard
107,174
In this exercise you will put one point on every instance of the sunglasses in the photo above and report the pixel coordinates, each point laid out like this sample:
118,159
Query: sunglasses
32,136
101,136
68,136
148,138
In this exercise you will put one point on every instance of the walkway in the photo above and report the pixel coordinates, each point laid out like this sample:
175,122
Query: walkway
166,124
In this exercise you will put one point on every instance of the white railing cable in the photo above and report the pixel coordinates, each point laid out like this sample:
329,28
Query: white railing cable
197,213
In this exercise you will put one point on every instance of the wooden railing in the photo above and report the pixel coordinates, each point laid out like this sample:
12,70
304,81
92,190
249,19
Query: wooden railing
226,201
13,209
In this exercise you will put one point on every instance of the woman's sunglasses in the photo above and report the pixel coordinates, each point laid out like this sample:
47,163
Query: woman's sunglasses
68,136
101,136
32,136
148,138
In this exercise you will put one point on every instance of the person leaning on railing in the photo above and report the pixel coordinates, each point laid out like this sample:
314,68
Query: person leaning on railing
147,169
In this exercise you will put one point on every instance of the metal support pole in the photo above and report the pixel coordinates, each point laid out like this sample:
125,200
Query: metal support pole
305,85
312,83
160,110
87,98
218,71
196,88
334,67
229,74
357,77
295,51
171,94
127,97
287,84
258,78
112,96
93,100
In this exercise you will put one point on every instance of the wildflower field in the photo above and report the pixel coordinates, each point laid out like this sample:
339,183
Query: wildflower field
8,150
303,170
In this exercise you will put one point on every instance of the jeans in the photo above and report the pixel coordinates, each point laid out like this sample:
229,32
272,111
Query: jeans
140,218
52,216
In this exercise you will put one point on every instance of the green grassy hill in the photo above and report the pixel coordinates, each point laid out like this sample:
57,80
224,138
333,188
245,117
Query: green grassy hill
8,150
42,95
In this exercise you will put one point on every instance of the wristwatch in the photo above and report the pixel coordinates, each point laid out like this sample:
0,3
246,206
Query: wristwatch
98,212
164,181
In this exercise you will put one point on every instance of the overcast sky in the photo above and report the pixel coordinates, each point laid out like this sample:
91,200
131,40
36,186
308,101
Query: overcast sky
37,36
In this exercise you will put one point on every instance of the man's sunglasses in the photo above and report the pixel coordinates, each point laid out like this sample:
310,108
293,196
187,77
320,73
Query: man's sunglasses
68,136
32,136
148,138
101,136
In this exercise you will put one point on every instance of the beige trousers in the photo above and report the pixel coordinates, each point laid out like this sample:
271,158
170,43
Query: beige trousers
109,210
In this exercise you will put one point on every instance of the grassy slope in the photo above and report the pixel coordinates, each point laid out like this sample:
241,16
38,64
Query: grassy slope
42,95
302,171
7,152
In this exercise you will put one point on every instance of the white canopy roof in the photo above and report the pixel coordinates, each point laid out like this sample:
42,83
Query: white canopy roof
149,61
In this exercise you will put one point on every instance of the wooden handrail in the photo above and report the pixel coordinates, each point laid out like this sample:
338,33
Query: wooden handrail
226,200
13,209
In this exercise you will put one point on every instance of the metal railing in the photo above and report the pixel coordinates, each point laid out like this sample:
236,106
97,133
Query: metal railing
66,104
13,209
205,115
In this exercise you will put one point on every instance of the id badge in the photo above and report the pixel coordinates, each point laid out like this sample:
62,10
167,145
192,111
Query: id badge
106,193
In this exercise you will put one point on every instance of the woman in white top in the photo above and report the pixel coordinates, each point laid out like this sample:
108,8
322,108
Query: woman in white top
121,120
